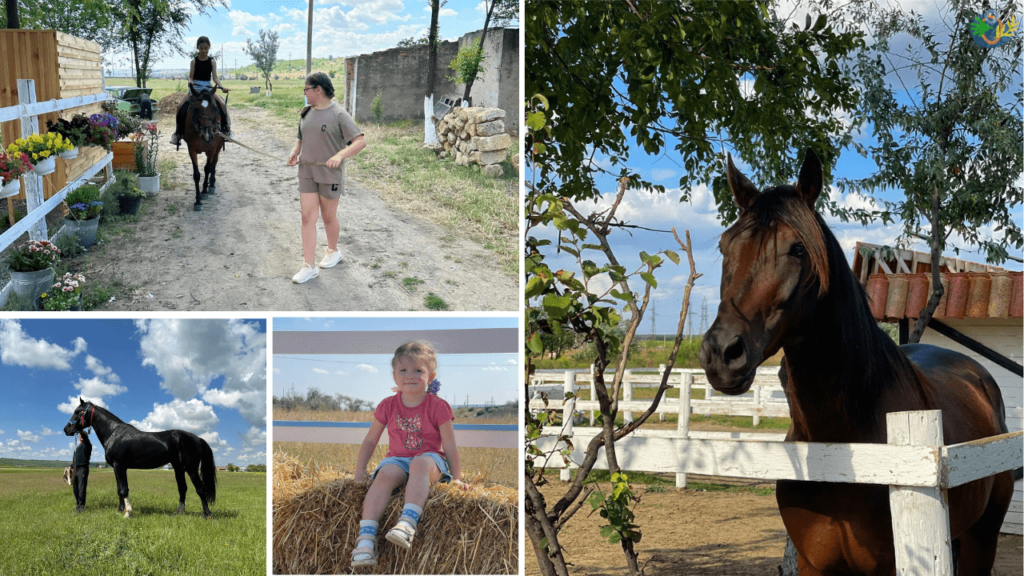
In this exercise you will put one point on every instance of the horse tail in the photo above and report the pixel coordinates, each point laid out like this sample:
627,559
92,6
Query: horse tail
208,472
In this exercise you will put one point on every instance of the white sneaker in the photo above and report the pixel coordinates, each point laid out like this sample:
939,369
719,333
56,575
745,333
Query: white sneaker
306,273
331,259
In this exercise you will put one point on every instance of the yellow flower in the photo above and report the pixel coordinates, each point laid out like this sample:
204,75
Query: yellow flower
45,154
35,156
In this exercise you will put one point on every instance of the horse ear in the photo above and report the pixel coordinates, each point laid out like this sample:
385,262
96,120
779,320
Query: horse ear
80,401
743,192
809,183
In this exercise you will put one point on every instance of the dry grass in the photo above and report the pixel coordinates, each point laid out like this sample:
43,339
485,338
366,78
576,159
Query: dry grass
367,416
316,519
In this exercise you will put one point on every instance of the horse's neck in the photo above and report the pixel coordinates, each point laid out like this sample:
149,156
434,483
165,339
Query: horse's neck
105,425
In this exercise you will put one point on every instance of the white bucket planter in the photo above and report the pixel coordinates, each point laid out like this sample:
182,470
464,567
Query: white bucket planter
46,166
69,154
11,188
30,285
150,184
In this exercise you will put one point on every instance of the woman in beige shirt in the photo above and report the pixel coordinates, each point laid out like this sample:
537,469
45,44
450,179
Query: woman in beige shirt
327,136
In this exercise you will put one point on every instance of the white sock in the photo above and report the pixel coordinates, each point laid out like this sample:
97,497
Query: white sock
367,533
411,515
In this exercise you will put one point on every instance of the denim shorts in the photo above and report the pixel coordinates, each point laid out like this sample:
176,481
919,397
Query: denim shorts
404,462
201,85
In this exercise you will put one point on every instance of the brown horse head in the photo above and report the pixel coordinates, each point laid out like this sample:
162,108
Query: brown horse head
203,115
774,269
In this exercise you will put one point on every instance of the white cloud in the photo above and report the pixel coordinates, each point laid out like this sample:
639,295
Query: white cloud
495,369
191,354
73,402
663,174
254,445
46,432
320,371
1,431
512,361
94,387
445,12
101,371
28,436
192,416
341,373
277,370
19,349
217,444
367,368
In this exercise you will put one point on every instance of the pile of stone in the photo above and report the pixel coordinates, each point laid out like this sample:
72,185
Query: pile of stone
474,136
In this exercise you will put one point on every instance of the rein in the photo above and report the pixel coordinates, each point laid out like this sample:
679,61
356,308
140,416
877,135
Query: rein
233,141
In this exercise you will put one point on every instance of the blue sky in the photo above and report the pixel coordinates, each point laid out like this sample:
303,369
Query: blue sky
341,28
204,376
481,378
700,217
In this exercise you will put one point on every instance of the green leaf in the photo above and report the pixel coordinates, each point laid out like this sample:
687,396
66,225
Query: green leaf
596,500
649,278
672,256
534,287
535,121
535,344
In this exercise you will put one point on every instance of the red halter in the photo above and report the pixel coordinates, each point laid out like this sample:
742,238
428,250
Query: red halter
92,414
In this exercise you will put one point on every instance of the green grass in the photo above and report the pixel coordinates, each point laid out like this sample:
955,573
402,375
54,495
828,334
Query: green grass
434,302
42,534
656,483
410,284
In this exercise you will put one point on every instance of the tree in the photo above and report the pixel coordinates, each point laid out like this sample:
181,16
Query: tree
410,42
11,13
264,53
655,76
946,120
503,12
148,28
232,468
90,19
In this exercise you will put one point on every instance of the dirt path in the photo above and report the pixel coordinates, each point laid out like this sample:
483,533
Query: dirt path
699,534
241,250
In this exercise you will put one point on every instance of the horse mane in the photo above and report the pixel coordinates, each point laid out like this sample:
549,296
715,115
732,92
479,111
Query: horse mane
108,413
878,365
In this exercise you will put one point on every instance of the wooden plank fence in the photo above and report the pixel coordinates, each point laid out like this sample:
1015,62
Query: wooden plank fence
917,467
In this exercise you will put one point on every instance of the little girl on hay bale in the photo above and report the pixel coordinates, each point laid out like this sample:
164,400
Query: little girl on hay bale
421,450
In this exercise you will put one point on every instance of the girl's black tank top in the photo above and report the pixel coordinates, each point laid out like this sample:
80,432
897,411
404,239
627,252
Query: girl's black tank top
204,70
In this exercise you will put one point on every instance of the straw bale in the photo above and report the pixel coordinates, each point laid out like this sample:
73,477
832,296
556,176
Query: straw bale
316,521
169,104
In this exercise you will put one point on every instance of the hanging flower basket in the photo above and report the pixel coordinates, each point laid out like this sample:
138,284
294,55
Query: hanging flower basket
70,154
11,188
46,166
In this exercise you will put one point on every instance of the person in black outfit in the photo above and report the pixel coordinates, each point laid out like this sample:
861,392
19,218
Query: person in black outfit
81,466
202,75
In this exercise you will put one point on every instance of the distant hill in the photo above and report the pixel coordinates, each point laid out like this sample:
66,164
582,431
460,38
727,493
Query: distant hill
13,463
294,68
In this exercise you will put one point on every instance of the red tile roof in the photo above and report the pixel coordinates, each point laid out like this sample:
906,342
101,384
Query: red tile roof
899,285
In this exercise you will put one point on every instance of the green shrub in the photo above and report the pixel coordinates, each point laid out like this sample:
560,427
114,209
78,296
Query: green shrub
377,108
468,63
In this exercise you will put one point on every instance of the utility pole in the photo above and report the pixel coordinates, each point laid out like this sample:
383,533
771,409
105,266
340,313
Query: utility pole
704,315
309,39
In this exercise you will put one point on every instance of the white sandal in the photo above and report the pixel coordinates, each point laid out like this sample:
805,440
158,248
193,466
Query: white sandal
367,555
401,535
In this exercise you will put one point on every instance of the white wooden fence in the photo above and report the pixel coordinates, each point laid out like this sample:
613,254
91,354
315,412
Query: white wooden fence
466,435
27,112
915,465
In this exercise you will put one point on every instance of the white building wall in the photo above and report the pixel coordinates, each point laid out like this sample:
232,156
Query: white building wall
1005,336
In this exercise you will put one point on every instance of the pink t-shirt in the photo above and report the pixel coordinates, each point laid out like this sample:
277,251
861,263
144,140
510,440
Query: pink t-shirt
413,431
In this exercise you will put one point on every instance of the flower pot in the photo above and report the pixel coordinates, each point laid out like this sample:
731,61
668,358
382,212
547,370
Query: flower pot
31,285
46,166
150,184
12,188
69,154
85,229
129,204
124,155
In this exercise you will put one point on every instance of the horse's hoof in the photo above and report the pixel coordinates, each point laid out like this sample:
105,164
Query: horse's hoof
212,189
197,207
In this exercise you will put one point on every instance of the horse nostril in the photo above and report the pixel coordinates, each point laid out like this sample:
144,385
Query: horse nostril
733,351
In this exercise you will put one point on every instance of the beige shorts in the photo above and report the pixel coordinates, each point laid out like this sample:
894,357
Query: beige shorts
329,191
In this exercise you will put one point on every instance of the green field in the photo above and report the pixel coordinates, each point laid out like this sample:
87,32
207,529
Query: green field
43,535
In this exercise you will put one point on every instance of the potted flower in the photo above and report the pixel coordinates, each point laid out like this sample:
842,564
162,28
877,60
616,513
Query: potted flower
145,160
74,130
12,166
129,198
31,272
42,150
84,208
102,131
65,294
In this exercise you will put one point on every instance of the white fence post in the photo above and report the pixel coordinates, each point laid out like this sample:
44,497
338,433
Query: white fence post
920,516
683,426
568,412
33,181
661,376
627,394
758,397
593,392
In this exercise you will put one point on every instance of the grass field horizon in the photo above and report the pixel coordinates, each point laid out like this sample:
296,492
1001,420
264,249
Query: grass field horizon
43,535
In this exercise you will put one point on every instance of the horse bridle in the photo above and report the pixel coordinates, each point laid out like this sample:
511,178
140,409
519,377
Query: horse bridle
81,417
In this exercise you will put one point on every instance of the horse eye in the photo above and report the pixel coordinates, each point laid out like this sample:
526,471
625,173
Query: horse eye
797,250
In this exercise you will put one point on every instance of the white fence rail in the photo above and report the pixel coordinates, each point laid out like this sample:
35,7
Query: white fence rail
916,466
27,112
466,435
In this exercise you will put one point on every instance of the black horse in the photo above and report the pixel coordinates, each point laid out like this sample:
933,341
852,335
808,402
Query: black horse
202,134
128,447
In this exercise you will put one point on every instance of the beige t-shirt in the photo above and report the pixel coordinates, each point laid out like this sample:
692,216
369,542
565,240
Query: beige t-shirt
326,132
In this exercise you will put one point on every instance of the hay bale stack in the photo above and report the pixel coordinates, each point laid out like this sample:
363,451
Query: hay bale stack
316,521
475,136
169,104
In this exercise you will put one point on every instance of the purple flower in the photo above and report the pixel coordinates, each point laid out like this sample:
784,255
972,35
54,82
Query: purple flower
434,386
